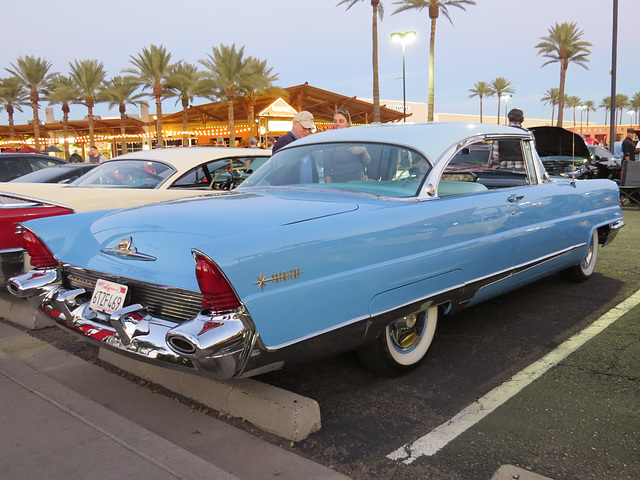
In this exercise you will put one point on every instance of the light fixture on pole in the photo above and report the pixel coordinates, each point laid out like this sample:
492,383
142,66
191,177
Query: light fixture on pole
403,39
506,102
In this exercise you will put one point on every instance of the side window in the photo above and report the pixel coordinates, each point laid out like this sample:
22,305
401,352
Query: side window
11,168
488,165
194,178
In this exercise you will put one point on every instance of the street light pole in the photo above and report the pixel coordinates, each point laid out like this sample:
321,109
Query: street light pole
506,102
403,39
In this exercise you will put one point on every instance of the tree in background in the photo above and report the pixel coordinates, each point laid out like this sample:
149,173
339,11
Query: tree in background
88,76
606,104
501,86
63,91
564,45
589,106
434,8
635,106
186,83
551,97
13,96
33,74
260,82
230,73
481,90
121,91
378,10
573,102
153,66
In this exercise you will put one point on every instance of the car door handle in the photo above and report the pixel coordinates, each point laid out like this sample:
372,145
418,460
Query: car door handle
515,198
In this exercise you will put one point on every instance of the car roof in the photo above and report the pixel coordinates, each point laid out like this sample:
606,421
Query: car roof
185,158
4,155
431,138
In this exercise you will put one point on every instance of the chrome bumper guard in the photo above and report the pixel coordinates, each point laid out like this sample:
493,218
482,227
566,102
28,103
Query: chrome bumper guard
216,345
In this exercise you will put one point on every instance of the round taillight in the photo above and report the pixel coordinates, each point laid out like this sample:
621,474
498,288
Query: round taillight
217,293
40,255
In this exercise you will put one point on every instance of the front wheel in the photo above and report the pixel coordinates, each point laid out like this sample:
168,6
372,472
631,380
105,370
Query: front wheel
403,344
584,270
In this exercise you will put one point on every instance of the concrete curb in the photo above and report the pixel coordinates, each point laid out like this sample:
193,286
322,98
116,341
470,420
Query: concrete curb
509,472
272,409
20,312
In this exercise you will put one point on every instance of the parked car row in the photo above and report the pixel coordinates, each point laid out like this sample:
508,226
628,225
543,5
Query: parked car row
14,165
351,239
140,178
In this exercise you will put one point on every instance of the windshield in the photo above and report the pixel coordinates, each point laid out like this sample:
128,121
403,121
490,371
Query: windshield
126,174
377,169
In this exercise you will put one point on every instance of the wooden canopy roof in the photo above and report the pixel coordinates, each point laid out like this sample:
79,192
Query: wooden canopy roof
321,103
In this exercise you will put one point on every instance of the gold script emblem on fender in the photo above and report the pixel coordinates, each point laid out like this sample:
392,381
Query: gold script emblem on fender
277,278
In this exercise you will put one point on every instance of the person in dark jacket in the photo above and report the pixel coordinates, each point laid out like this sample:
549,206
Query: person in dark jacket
302,126
75,157
628,147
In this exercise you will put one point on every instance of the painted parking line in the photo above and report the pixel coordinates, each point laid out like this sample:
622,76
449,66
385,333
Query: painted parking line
440,436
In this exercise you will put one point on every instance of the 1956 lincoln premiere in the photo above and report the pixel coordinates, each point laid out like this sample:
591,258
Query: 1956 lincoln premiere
352,239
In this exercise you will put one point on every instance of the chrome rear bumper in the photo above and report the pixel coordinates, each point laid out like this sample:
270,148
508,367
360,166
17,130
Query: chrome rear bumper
216,345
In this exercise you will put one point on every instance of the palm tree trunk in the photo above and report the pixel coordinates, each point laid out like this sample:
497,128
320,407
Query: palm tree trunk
185,122
159,139
253,128
480,109
376,83
499,96
232,125
12,130
91,125
563,75
65,129
123,131
432,49
36,120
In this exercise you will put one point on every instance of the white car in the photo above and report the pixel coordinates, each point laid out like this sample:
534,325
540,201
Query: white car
140,178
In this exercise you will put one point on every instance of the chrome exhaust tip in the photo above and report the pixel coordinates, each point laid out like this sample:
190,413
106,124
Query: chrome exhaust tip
181,344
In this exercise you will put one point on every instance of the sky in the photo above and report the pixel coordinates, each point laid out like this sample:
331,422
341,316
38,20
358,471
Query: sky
330,47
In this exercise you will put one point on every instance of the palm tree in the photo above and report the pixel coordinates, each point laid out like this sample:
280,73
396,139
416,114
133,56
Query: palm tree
33,74
501,86
434,7
88,76
622,103
378,10
563,45
13,97
186,83
635,105
152,67
551,97
230,73
606,104
589,106
481,90
64,91
573,102
260,83
121,91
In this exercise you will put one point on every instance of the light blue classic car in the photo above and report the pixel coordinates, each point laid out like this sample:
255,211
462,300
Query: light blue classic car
352,239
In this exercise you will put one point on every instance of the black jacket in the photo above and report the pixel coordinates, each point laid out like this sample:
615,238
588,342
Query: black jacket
285,139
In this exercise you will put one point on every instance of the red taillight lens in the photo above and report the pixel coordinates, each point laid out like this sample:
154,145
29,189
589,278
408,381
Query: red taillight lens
217,294
41,256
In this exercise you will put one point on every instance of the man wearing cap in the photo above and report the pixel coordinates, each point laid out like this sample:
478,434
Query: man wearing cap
628,147
302,126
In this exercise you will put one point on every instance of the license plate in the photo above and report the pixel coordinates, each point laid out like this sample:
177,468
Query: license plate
108,296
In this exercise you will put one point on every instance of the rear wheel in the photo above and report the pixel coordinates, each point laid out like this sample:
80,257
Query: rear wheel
586,267
403,344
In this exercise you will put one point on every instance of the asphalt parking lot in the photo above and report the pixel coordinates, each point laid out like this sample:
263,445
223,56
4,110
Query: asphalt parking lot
579,420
